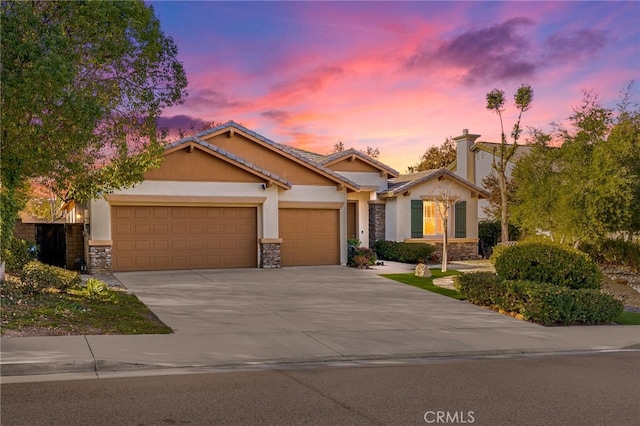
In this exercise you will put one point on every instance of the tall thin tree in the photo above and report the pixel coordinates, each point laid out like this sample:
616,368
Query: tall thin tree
503,154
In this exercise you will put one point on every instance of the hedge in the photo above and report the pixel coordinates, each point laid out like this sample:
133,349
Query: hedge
617,252
37,276
404,252
539,302
550,263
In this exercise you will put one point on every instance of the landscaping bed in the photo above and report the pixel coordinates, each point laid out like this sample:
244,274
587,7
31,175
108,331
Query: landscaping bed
550,284
88,308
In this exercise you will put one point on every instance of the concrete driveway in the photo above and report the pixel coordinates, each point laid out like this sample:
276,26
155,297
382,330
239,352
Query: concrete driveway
326,313
258,317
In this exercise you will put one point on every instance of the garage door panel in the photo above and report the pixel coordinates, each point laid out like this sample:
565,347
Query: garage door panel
142,229
141,213
309,237
183,237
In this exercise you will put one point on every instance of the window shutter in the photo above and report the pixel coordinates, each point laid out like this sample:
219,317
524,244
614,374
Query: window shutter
416,219
461,219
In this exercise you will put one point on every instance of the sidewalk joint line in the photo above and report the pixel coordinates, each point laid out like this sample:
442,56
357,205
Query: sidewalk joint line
95,361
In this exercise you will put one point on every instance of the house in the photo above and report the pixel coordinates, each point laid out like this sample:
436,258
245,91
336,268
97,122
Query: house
229,197
474,159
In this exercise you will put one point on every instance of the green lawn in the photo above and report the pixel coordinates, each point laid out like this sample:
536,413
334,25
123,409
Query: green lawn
628,318
75,312
427,283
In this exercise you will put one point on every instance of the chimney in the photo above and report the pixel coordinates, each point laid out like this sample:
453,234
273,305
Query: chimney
465,159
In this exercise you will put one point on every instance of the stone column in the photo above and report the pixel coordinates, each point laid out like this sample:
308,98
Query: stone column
100,257
376,221
270,252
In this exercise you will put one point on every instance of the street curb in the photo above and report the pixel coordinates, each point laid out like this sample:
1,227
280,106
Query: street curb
105,366
37,368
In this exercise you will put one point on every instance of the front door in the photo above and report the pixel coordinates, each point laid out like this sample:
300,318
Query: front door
352,220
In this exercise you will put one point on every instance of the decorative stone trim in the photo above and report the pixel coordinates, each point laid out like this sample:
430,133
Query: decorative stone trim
100,260
456,250
376,222
270,253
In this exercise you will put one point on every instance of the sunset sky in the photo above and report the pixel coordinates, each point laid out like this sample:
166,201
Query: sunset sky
398,76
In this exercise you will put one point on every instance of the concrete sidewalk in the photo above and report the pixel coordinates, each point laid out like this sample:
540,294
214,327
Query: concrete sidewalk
248,317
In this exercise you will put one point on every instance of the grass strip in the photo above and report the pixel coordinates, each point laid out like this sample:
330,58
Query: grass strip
628,318
427,283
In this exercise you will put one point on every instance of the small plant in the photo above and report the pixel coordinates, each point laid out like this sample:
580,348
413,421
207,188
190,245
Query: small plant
38,277
95,289
547,262
362,257
354,242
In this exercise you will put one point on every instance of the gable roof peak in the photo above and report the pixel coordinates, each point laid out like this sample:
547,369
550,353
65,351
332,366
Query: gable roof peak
336,156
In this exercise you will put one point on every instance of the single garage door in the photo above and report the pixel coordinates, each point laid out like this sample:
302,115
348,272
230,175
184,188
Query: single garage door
147,238
309,237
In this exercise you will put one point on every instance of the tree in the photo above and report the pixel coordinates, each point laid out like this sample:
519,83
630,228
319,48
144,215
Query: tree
82,85
445,200
44,204
371,152
436,157
337,147
491,183
197,128
505,152
589,187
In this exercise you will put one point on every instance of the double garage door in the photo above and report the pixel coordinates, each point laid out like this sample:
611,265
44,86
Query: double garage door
173,237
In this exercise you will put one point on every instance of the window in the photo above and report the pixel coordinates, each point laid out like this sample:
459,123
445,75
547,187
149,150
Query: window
427,221
431,218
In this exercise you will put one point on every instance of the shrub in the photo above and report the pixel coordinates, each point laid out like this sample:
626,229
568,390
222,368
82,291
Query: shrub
549,263
37,276
404,252
478,287
18,253
497,252
561,305
617,252
542,303
361,257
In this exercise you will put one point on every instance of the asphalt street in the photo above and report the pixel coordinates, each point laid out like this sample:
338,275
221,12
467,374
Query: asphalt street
570,389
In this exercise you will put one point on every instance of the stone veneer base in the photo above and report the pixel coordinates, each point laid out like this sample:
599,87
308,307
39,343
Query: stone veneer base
270,255
100,259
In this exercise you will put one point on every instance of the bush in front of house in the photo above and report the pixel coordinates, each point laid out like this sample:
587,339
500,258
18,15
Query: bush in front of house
539,302
361,257
37,276
549,305
404,252
549,263
477,287
618,252
18,253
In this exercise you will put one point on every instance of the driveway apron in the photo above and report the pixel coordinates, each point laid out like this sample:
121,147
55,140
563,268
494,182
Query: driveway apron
302,314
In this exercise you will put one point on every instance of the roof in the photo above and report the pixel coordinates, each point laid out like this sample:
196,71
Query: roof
300,155
232,158
405,182
490,147
313,156
338,156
